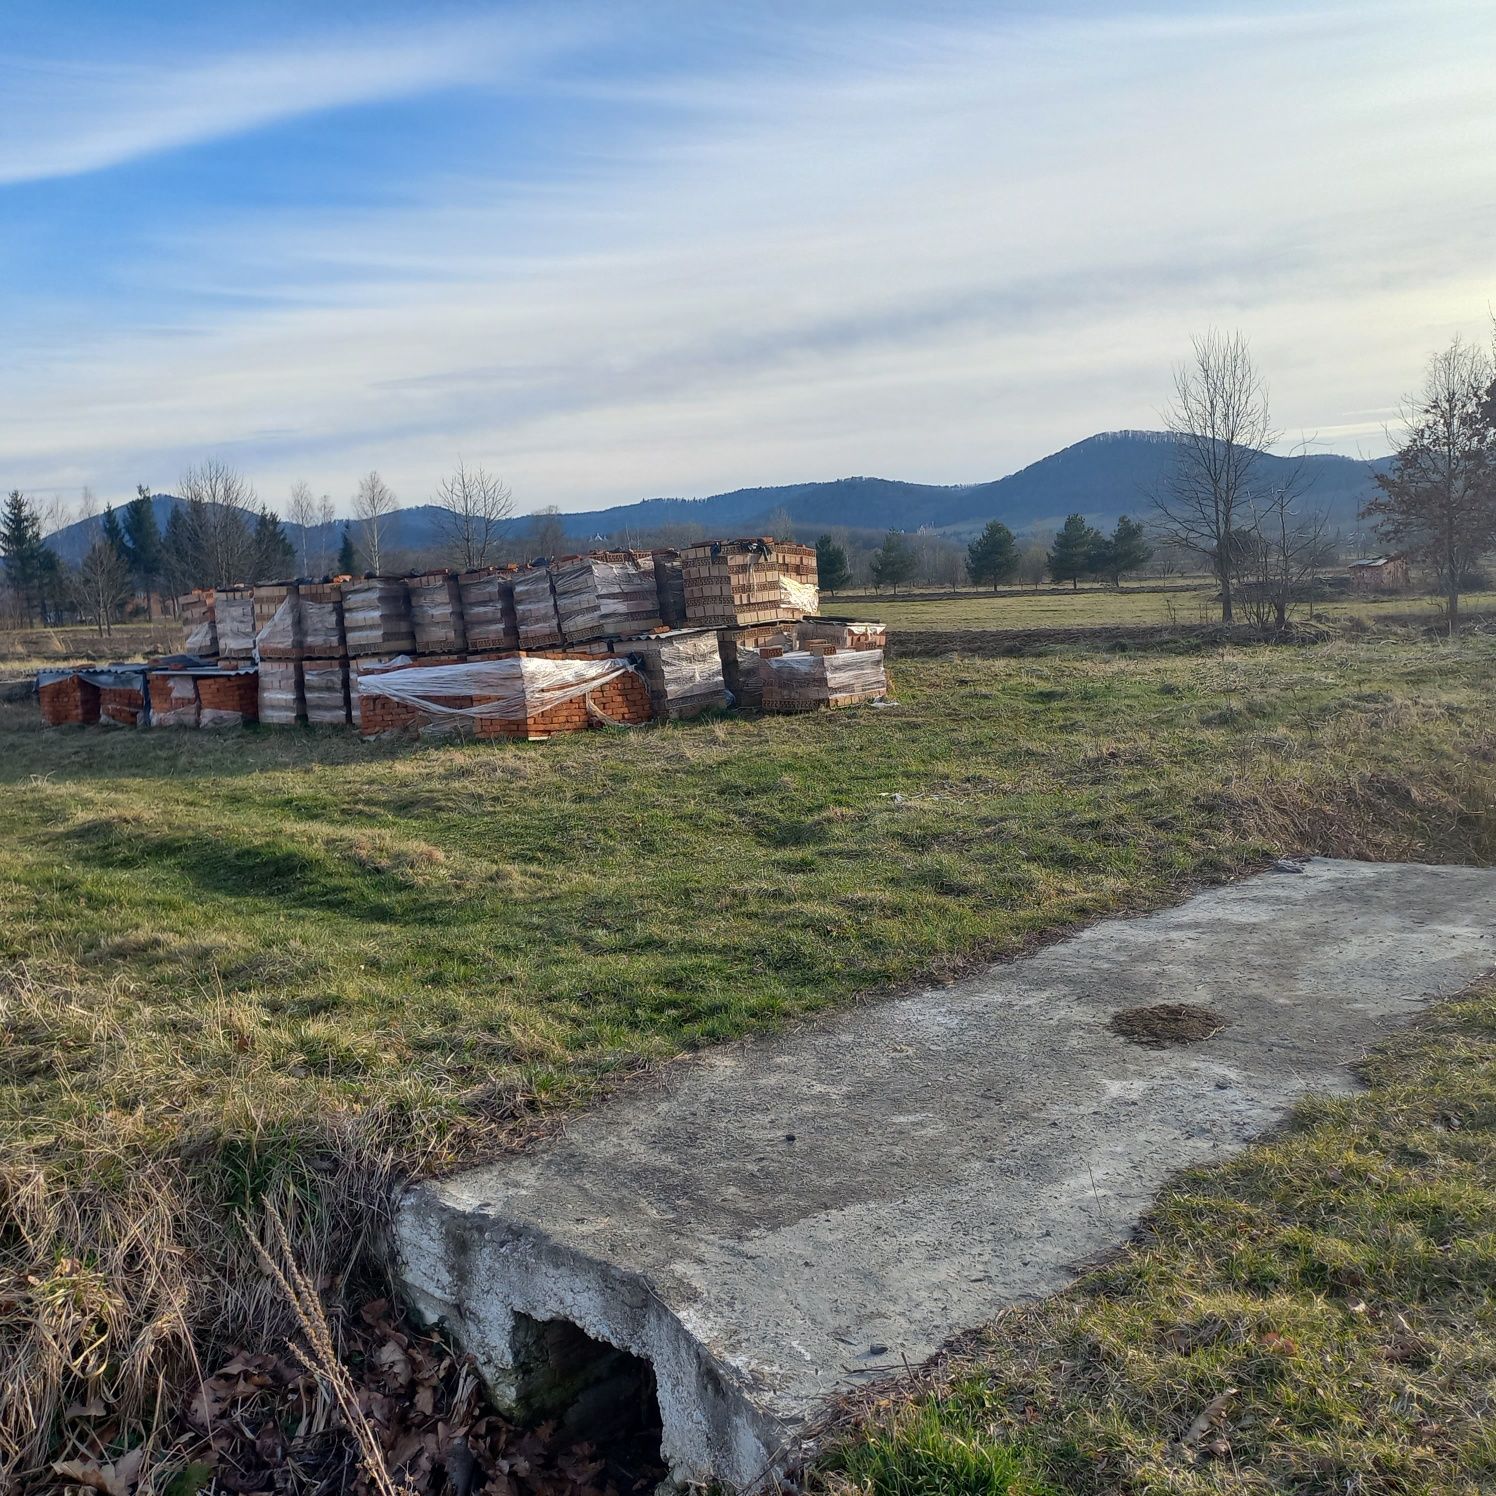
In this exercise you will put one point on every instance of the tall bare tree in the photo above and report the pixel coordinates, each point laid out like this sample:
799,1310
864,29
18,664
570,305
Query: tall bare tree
326,519
1438,502
101,585
372,506
547,531
1221,426
475,507
219,530
301,510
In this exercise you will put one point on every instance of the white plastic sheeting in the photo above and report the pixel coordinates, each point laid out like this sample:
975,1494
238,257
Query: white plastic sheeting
235,616
598,597
511,689
280,632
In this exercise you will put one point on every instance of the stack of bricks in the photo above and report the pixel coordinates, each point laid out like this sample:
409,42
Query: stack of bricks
535,618
844,633
623,699
199,623
740,659
814,679
738,583
234,615
605,595
325,692
488,608
174,700
67,698
683,670
228,699
277,608
122,701
282,698
322,620
378,714
436,613
376,617
670,588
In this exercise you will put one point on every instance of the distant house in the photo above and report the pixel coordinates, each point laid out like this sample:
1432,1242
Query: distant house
1380,574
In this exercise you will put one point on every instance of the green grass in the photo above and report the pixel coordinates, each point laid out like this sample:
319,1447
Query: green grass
289,967
1327,1297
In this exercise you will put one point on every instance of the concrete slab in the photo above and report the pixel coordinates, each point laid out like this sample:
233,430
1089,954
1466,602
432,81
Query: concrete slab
769,1222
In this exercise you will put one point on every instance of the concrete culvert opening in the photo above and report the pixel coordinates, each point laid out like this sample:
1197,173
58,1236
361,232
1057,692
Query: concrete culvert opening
594,1394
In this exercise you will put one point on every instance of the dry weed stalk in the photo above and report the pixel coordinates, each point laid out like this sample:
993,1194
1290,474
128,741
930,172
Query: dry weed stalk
319,1355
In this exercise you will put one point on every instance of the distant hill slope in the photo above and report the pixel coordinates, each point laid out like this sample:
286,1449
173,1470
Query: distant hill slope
1102,477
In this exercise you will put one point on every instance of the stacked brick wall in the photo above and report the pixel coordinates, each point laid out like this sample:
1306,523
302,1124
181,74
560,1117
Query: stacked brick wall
68,699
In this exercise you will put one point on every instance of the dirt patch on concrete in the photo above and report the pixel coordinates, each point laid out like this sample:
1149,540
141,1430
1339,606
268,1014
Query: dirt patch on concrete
1159,1025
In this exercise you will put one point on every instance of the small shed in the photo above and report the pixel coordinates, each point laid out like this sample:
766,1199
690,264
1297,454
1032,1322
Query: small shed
1379,574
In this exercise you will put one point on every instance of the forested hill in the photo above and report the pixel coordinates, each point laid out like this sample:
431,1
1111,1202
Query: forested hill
1102,477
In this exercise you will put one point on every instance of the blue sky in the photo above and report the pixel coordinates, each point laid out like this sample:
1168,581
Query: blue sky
630,249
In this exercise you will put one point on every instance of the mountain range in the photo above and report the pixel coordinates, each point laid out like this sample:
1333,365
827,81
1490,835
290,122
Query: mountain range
1105,476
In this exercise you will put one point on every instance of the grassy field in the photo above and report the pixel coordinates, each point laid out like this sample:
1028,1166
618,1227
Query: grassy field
1184,603
286,967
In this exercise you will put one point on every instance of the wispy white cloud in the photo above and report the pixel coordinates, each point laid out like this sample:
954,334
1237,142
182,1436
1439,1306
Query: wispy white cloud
68,118
930,252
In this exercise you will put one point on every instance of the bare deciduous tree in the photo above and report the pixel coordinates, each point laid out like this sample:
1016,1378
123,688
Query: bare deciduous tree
326,519
1280,547
1438,503
475,507
372,505
301,510
1221,426
101,585
547,531
221,504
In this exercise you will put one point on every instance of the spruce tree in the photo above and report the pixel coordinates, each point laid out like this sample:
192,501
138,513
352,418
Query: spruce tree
23,551
113,532
831,565
347,556
992,556
274,555
1073,553
144,549
894,561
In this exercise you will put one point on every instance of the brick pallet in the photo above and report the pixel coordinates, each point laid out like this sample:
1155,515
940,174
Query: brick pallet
605,595
234,615
670,588
322,636
740,659
277,612
325,692
376,617
67,699
739,583
228,699
683,670
622,699
535,617
174,701
488,608
436,613
282,698
806,681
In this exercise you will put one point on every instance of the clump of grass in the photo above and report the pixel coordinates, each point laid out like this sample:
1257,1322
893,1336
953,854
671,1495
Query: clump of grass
1315,1315
932,1451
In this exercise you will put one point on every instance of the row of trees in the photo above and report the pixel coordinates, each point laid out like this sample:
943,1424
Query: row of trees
1436,504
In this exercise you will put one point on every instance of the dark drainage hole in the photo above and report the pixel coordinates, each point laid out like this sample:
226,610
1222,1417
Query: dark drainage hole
1163,1024
591,1393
